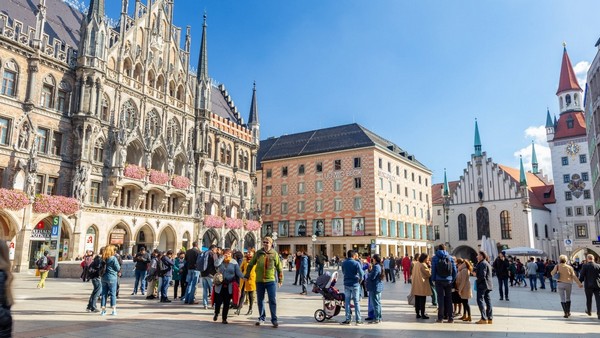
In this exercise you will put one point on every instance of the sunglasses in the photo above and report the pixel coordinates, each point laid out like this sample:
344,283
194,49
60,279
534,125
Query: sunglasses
266,242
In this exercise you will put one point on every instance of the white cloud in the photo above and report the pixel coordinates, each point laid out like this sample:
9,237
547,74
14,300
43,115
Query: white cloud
542,151
581,69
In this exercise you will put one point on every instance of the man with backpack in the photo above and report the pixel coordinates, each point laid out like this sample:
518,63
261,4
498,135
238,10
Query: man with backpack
207,264
93,274
44,264
152,274
443,274
165,272
142,259
191,255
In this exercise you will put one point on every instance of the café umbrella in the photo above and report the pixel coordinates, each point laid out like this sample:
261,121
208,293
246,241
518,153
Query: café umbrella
524,251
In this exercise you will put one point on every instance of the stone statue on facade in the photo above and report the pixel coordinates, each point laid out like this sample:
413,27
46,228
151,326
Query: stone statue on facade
23,136
31,182
79,183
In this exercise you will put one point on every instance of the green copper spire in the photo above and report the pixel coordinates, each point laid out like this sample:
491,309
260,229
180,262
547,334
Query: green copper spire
522,177
477,140
549,123
446,188
534,162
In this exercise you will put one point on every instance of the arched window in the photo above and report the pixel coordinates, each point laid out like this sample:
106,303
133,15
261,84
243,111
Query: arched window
505,225
47,97
462,227
228,155
151,78
483,223
173,132
222,151
160,83
127,67
129,112
99,151
546,230
535,230
152,127
172,89
10,76
180,93
568,100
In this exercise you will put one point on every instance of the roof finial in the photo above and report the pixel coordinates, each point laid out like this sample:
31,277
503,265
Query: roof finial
522,177
477,142
204,18
534,161
446,191
564,44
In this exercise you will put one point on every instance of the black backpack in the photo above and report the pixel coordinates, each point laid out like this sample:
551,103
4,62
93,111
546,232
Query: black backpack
202,261
444,267
93,270
42,263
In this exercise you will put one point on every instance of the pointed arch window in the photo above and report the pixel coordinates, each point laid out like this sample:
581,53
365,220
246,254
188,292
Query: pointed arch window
462,227
105,109
10,75
483,222
152,124
546,230
129,112
47,97
505,225
535,230
99,151
173,132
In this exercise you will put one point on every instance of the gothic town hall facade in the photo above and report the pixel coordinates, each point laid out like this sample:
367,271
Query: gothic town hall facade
107,137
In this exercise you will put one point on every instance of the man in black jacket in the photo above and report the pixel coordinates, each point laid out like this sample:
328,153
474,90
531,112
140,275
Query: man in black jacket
142,259
483,271
192,276
590,277
501,266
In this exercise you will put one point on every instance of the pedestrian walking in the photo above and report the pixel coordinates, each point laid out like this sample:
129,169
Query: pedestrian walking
191,255
267,264
93,274
109,279
520,273
483,272
141,260
166,272
532,270
566,277
420,287
6,294
353,274
212,259
304,272
392,266
249,288
223,292
551,280
590,277
501,266
443,273
541,272
406,262
178,273
463,285
44,264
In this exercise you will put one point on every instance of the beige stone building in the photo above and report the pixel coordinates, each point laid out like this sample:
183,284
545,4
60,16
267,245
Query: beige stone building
113,118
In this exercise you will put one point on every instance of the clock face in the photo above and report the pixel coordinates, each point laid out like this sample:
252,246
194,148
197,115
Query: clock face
572,148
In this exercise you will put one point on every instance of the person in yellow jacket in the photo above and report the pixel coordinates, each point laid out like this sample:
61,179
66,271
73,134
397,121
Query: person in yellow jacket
565,283
250,283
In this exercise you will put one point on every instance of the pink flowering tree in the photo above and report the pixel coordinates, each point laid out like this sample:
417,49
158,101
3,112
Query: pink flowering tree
252,225
13,199
158,177
135,171
233,223
180,182
213,221
55,205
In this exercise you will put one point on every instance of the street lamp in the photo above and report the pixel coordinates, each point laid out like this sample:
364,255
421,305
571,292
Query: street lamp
314,240
568,231
555,242
274,237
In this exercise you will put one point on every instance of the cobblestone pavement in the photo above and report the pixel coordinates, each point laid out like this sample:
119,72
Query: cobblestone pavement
59,311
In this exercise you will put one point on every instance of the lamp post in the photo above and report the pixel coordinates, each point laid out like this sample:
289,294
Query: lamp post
314,240
567,232
555,243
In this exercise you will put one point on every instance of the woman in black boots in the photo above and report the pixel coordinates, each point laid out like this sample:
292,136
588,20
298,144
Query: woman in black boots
565,282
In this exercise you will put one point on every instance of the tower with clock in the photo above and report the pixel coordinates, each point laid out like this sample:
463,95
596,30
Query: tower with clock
571,172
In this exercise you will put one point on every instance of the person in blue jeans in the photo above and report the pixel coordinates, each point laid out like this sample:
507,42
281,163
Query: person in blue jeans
541,271
141,259
96,282
532,269
109,280
375,287
167,262
484,284
192,276
353,275
443,281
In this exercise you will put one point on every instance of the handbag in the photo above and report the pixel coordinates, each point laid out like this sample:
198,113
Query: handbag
410,298
556,275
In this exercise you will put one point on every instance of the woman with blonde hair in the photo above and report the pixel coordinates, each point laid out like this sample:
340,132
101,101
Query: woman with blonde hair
109,279
463,286
249,288
565,283
6,295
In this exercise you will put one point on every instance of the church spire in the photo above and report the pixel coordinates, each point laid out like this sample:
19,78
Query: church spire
203,60
569,92
446,191
522,177
534,161
253,123
477,142
96,10
549,123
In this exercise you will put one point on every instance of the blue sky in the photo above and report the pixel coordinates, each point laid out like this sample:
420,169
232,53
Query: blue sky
415,72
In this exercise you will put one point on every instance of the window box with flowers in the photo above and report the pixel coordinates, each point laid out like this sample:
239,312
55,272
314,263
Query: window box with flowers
233,223
252,225
55,205
180,182
158,177
134,171
213,221
13,199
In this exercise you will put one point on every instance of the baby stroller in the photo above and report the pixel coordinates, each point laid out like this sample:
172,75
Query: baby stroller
333,299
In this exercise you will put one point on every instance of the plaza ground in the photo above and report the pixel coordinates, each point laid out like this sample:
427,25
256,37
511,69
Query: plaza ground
59,311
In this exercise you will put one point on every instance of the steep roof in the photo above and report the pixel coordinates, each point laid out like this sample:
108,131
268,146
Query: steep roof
540,192
562,131
437,196
318,141
220,106
62,21
568,80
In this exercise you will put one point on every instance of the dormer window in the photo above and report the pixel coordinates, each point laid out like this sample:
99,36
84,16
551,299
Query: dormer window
570,122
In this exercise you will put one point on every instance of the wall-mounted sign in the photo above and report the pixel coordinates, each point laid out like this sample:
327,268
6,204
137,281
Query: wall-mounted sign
41,234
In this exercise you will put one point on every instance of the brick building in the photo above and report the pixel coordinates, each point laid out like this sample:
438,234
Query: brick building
348,187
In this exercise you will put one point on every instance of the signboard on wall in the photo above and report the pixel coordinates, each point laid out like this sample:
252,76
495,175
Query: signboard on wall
89,242
117,236
11,250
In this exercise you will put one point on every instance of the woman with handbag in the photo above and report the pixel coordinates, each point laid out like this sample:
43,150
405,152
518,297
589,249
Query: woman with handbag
229,269
6,295
565,275
420,285
249,288
463,286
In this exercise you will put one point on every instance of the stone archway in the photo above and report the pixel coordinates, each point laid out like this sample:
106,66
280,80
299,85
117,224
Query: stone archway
465,252
580,253
249,241
42,240
8,227
167,240
186,240
210,237
231,240
120,237
144,238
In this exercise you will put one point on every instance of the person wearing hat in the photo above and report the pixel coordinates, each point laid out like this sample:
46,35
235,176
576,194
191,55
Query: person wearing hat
44,264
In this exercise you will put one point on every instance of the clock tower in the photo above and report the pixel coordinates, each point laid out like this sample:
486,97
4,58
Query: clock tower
570,164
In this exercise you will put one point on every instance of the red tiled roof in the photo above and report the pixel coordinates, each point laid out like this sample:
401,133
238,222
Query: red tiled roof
540,193
561,129
437,191
568,80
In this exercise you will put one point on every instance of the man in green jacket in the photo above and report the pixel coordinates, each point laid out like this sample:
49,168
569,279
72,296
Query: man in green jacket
267,262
